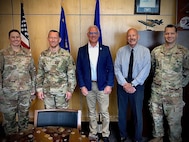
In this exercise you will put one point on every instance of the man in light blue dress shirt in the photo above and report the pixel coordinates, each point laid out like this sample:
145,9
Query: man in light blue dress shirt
131,92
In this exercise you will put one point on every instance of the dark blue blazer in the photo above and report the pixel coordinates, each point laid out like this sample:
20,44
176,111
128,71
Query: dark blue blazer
105,69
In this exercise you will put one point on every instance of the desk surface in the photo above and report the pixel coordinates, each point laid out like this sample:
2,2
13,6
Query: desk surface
49,134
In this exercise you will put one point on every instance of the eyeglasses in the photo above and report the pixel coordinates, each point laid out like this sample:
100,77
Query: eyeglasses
93,33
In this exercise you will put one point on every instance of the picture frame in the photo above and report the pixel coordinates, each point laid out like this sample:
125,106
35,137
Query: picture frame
148,7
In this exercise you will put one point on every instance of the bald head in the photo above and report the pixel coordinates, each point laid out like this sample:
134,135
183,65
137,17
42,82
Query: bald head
132,37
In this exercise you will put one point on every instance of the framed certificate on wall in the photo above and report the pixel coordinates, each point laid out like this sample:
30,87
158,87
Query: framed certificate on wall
151,7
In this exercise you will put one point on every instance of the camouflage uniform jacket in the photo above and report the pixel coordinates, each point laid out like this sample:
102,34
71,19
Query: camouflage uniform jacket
170,67
56,72
17,70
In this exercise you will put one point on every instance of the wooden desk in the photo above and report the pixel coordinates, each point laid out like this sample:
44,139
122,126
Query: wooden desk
64,135
50,134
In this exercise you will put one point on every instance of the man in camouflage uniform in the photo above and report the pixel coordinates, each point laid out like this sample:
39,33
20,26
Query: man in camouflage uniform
170,64
56,78
17,83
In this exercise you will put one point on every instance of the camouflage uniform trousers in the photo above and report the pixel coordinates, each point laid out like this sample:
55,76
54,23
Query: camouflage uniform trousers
15,103
163,104
55,100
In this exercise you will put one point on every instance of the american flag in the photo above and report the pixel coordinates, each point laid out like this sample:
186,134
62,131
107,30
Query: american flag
24,31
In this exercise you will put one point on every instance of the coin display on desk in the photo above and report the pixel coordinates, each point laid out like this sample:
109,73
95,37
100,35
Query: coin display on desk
49,134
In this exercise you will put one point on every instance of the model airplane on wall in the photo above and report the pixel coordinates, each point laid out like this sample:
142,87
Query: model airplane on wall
151,22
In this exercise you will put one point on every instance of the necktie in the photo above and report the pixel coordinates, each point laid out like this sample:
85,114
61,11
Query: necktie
130,71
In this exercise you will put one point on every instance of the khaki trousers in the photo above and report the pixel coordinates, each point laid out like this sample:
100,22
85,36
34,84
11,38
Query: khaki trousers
95,96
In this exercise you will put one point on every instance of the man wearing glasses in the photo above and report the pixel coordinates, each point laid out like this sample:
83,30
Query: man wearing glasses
96,78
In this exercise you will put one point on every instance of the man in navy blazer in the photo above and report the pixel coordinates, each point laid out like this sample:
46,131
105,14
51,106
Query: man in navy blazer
95,75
